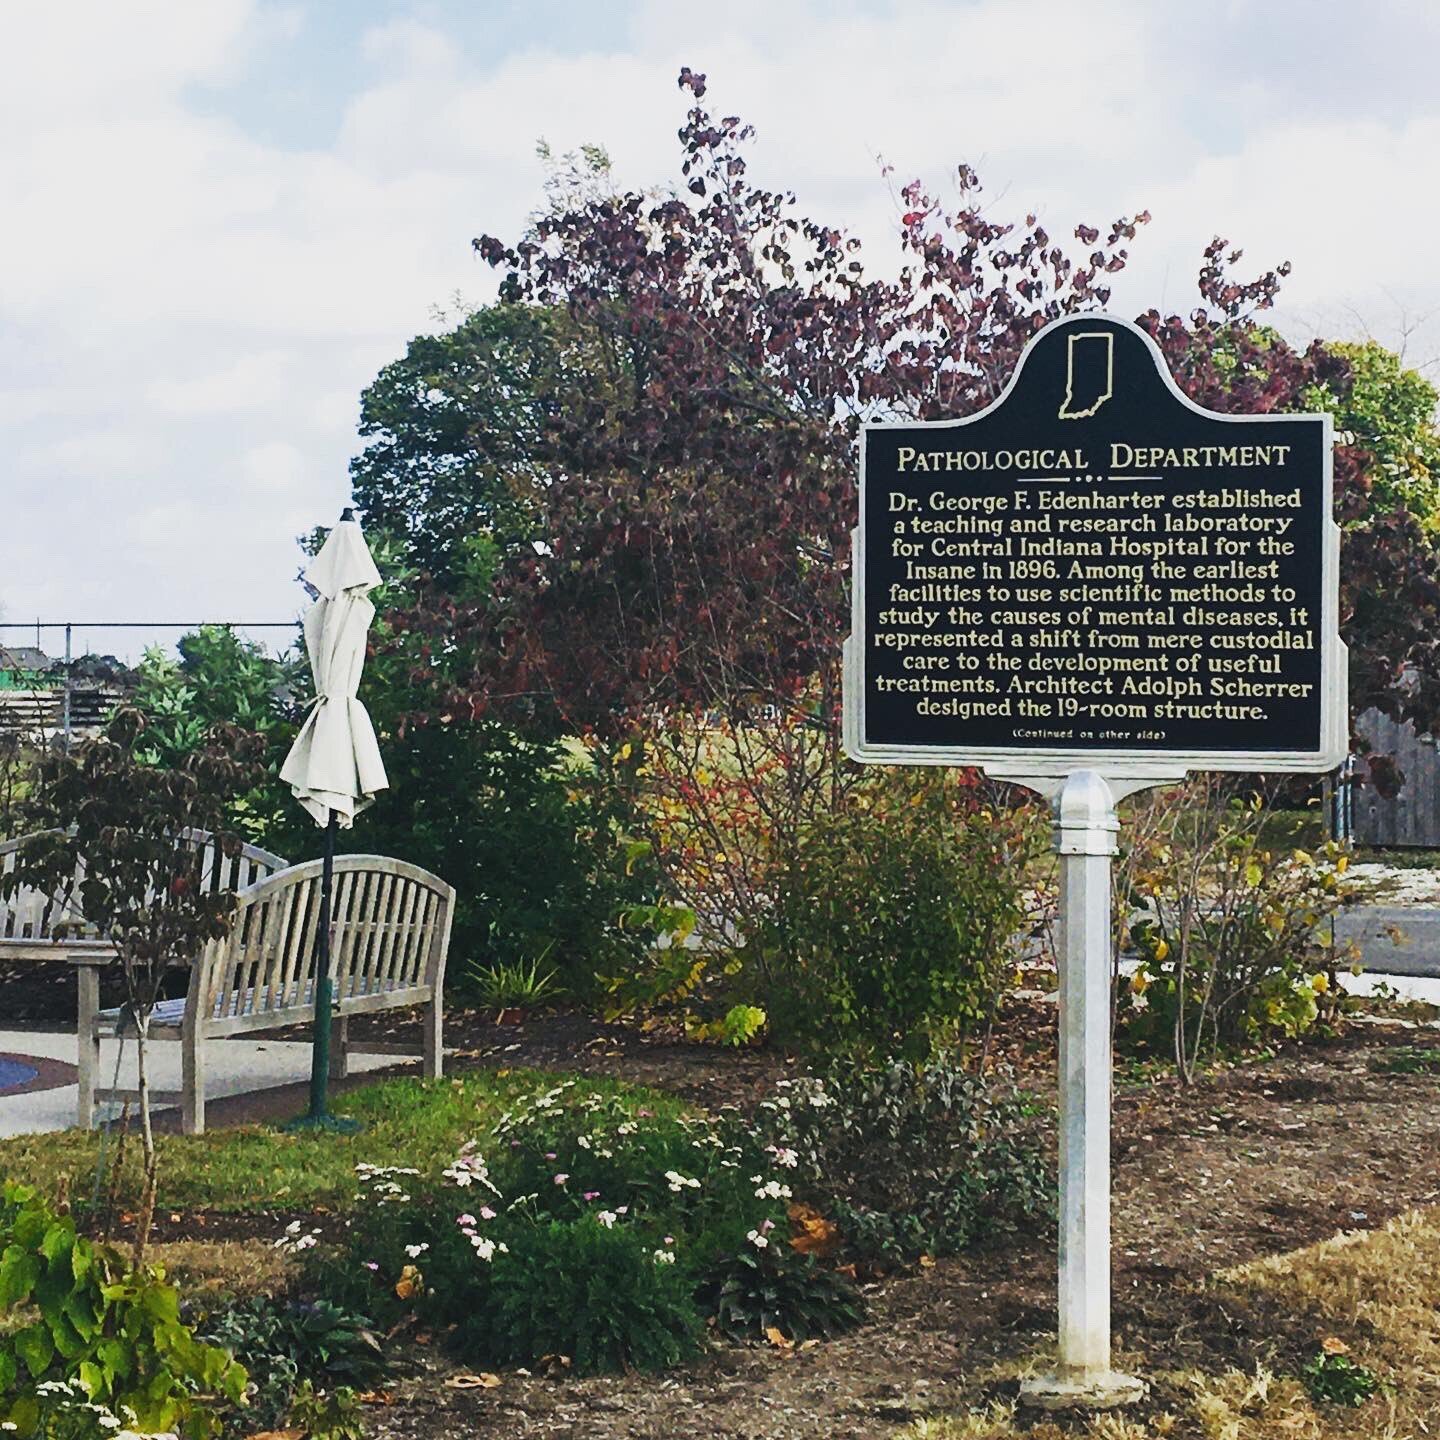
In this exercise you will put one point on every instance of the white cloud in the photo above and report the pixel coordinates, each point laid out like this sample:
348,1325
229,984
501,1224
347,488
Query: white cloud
189,309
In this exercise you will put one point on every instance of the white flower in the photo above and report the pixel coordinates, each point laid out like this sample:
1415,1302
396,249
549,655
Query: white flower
416,1251
583,1142
607,1218
679,1182
759,1241
788,1158
664,1257
773,1190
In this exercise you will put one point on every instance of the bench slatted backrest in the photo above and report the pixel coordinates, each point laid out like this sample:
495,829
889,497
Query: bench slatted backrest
390,925
29,918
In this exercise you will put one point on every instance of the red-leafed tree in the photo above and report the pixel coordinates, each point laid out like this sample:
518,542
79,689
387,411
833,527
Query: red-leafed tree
692,487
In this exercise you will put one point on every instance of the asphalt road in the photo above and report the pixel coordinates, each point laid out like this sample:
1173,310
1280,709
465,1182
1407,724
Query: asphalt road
1418,931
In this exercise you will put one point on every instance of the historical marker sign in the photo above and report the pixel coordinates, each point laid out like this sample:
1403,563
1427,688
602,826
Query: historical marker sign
1093,586
1096,573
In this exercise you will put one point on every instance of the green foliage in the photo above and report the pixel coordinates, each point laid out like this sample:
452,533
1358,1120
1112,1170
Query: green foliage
1339,1380
335,1415
286,1343
892,932
602,1295
504,985
770,1286
583,1226
221,678
1416,1060
454,430
739,1025
76,1315
911,1160
522,827
1389,411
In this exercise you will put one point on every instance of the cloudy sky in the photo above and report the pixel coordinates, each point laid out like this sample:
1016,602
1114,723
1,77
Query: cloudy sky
222,217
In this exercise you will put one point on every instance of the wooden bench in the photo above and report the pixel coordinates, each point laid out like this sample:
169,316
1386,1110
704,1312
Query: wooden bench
390,934
30,920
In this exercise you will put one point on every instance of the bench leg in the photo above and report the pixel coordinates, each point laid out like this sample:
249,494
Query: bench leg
87,1034
339,1043
433,1025
192,1083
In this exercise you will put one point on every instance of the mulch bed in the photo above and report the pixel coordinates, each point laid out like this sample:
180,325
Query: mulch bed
1251,1161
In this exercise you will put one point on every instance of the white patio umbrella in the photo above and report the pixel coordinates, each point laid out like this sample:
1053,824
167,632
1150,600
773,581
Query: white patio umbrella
334,768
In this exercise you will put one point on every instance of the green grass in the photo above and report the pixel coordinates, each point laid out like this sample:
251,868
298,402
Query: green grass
1406,1061
249,1168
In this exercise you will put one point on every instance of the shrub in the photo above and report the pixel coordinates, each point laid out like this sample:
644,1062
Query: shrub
583,1226
284,1343
86,1335
892,931
606,1296
911,1160
1228,928
768,1287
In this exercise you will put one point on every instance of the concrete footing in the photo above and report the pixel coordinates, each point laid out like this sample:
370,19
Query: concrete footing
1106,1391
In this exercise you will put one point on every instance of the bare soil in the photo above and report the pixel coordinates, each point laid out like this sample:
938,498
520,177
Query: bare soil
1255,1160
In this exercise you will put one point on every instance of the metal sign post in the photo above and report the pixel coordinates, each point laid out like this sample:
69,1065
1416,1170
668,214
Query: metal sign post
1091,587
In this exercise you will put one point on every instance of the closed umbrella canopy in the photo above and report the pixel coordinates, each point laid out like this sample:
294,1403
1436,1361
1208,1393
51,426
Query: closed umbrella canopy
334,767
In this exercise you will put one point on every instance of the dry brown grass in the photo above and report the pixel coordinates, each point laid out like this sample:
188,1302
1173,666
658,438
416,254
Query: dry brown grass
225,1267
1376,1292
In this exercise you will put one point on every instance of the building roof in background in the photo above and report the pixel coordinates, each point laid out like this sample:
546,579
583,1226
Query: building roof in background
23,657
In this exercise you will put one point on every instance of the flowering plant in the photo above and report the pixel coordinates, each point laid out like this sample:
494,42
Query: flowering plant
582,1223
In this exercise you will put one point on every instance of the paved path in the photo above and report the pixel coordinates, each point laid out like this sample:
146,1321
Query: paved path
1418,927
234,1067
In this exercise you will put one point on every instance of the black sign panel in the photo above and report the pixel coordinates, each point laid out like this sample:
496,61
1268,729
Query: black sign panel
1094,564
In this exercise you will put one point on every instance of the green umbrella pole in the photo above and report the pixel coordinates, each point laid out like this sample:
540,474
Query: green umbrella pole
319,1117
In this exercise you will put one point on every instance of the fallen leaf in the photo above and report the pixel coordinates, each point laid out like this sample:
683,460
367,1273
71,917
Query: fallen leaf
778,1338
1331,1345
483,1381
552,1364
376,1397
279,1435
814,1234
927,1262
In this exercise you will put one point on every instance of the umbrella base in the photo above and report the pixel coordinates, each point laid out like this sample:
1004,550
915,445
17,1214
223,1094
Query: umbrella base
329,1124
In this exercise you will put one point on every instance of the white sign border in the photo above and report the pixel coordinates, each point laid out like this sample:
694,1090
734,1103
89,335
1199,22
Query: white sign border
1151,766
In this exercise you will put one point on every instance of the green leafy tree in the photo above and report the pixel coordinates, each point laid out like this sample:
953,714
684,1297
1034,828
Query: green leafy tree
221,678
453,430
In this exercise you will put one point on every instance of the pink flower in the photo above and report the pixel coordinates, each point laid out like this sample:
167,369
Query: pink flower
549,1154
592,1194
371,1265
463,1220
486,1213
561,1178
644,1114
767,1226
